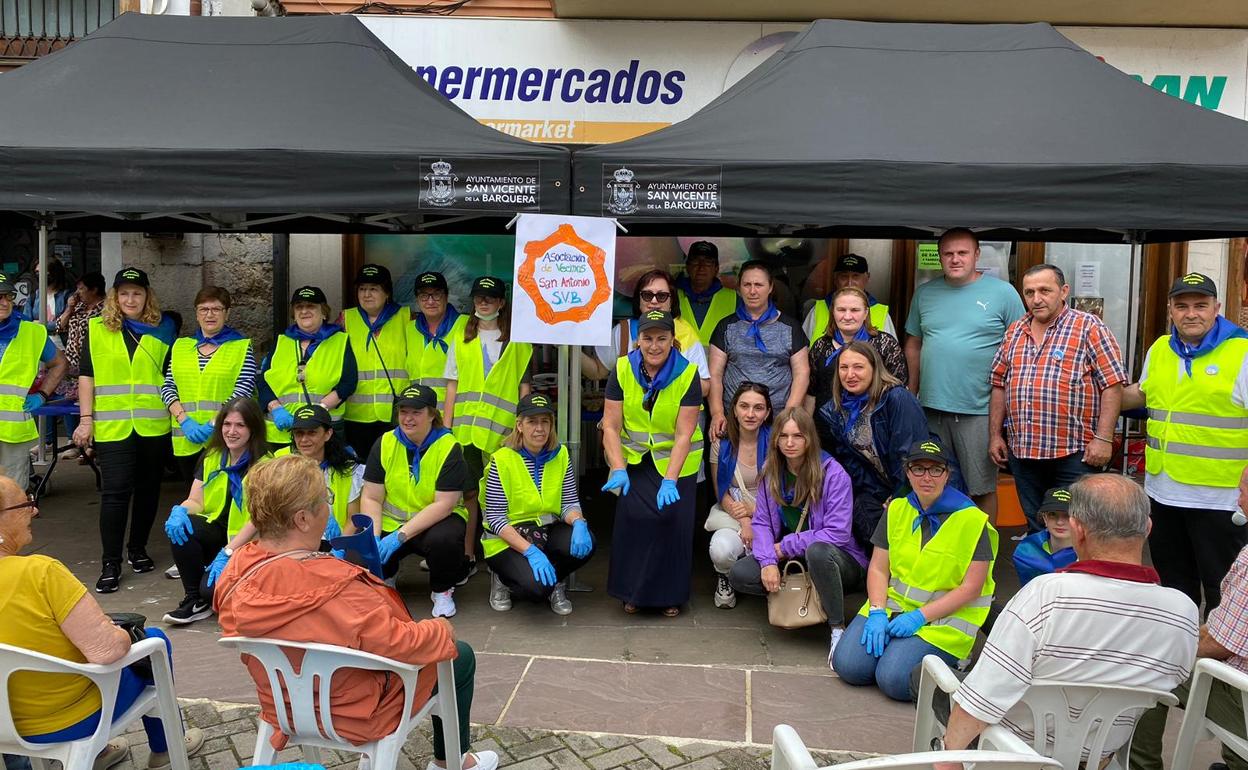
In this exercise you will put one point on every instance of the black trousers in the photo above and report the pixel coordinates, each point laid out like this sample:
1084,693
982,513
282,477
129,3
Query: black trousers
193,557
514,570
362,435
1193,549
131,471
442,546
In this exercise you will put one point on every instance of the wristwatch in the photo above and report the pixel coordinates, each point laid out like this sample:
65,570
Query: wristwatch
228,551
400,536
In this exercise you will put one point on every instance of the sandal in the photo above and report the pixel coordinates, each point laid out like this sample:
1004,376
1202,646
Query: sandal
630,608
671,612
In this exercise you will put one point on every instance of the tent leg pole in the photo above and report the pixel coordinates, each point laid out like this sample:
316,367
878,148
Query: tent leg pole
574,439
44,236
1134,307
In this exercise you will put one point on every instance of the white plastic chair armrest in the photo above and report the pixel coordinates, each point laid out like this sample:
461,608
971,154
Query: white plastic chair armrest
987,759
788,752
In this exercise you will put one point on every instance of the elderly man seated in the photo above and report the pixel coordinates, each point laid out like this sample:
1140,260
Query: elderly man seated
1103,620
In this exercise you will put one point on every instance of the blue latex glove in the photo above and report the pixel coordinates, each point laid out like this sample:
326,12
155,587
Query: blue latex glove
875,633
617,480
543,570
192,429
217,567
33,401
332,530
282,418
178,525
907,624
203,433
387,545
667,493
581,541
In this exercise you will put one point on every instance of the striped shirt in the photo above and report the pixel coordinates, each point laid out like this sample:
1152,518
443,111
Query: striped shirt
1053,390
1228,622
243,388
1077,627
495,510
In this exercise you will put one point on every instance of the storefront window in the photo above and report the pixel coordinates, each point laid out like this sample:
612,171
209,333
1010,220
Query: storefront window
1102,278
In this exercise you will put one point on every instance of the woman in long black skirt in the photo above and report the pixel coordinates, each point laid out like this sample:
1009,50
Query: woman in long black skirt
654,445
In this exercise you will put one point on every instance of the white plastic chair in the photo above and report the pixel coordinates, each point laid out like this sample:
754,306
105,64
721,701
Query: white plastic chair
157,701
789,753
1197,725
1071,728
299,696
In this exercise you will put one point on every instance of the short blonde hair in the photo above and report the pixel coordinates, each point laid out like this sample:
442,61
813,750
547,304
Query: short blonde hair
276,489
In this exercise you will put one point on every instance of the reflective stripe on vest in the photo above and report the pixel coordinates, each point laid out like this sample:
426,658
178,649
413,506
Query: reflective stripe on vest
723,304
823,312
525,504
426,363
922,573
203,391
127,390
382,365
483,414
1196,434
655,431
404,497
18,368
217,490
321,374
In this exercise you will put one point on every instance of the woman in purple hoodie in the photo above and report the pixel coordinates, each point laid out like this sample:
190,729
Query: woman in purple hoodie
799,479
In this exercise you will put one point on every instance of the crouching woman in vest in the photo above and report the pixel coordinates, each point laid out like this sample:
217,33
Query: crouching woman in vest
120,373
212,522
413,482
652,440
535,534
929,583
315,438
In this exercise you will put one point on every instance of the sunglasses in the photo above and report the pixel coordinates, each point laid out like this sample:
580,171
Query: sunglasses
758,386
655,296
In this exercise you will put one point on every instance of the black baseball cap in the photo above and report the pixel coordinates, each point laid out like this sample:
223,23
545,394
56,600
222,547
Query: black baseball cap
850,263
131,275
535,403
311,417
431,280
378,275
1056,499
702,249
308,294
488,286
656,319
6,285
417,396
1194,283
931,449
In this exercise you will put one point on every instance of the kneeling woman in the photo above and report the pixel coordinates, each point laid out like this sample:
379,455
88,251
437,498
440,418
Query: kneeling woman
805,511
212,521
535,535
929,584
413,482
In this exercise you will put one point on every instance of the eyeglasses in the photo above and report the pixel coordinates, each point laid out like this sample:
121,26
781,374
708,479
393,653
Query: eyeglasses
30,503
429,296
210,310
655,296
935,471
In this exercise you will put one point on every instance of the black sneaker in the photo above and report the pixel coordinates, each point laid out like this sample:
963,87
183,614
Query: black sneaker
110,578
140,562
190,610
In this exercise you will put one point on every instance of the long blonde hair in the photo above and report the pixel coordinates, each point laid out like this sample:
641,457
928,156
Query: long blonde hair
881,378
809,485
866,303
111,316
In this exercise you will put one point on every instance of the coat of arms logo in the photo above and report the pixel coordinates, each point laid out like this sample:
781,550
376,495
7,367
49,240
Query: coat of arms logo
623,192
441,183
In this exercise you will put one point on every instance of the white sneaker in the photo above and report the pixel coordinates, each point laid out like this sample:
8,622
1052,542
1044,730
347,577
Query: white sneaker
725,597
500,595
559,600
443,604
837,633
486,760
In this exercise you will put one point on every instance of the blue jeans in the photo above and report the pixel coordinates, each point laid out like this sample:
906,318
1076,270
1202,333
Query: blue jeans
132,686
891,671
1032,478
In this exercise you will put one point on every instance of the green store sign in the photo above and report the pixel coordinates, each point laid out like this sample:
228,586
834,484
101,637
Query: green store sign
1201,90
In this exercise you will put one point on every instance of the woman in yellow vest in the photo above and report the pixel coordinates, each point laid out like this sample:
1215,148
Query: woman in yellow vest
413,482
435,324
703,300
311,363
486,376
120,374
653,443
314,437
378,330
535,533
212,521
929,582
206,370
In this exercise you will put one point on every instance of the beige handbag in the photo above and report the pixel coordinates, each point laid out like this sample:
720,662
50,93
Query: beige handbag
796,604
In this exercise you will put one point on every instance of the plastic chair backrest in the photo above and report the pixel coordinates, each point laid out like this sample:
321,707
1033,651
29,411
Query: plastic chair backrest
788,752
1196,722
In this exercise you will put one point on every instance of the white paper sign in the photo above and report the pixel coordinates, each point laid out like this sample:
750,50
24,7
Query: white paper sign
1088,279
563,280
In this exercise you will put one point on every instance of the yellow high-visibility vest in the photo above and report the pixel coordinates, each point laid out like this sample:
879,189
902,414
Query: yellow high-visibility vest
525,503
426,362
655,431
127,390
485,405
723,304
382,364
321,373
217,489
405,496
878,314
202,392
18,369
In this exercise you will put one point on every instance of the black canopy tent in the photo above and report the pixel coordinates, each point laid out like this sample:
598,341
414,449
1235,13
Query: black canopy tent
901,130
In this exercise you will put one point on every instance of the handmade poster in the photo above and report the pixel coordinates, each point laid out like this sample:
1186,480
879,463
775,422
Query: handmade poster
563,280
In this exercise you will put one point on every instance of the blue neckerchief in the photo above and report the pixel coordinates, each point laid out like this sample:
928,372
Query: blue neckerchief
388,311
949,501
227,334
698,297
438,335
728,459
1222,331
316,338
234,474
418,450
162,331
1033,558
853,406
756,324
672,368
539,461
8,329
859,336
